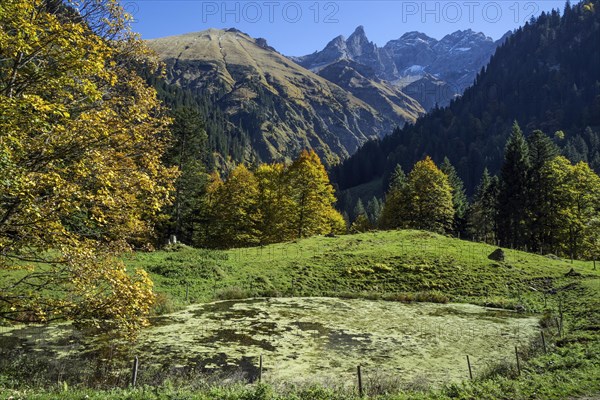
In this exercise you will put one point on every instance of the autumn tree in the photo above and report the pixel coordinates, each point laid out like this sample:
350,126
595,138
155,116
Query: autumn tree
275,203
235,210
207,218
337,223
81,178
313,212
583,211
272,204
430,198
573,207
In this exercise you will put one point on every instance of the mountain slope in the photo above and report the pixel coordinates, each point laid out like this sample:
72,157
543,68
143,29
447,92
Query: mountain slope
282,106
362,83
546,76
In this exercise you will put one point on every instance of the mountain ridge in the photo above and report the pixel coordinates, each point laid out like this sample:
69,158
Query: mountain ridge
283,107
446,67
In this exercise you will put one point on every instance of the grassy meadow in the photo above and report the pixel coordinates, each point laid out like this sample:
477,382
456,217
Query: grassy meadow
402,266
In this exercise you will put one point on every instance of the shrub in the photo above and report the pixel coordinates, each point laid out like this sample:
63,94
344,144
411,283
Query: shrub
232,293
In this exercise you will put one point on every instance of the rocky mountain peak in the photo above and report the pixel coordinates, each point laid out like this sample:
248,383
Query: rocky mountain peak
338,41
358,44
414,35
359,34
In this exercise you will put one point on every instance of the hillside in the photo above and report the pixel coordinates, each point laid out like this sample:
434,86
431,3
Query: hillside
546,76
279,105
375,264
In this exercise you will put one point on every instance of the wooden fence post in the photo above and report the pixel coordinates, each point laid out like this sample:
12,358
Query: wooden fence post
518,363
134,371
360,385
544,342
469,364
260,363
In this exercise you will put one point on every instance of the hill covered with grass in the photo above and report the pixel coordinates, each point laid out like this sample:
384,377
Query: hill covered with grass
385,264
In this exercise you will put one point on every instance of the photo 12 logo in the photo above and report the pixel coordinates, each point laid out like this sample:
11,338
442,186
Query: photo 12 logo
467,11
270,11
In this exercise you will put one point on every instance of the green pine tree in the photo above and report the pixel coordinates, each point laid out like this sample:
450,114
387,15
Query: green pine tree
374,210
541,151
482,212
513,195
394,211
459,197
359,209
186,153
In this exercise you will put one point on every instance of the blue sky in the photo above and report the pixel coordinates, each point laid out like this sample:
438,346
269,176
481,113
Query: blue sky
302,26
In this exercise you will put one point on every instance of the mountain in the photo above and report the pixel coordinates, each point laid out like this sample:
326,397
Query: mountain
429,70
546,76
356,48
277,104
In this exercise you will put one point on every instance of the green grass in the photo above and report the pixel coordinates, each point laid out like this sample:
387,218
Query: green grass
407,265
395,265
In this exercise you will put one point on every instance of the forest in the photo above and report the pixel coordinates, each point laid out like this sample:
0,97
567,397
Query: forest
546,76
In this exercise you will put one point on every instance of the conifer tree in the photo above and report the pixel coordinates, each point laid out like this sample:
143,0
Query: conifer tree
374,210
398,180
512,198
541,150
189,143
359,209
394,212
459,197
482,213
361,221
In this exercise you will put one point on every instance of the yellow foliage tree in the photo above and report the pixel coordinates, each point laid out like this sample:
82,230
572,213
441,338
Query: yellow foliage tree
572,207
313,195
81,139
235,210
274,202
430,198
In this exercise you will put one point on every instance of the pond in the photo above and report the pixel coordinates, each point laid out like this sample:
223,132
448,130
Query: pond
324,339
